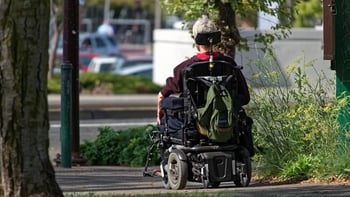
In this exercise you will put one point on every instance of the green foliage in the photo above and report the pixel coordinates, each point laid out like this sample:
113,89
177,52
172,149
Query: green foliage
54,85
308,13
102,83
300,169
122,147
193,9
189,8
134,153
295,122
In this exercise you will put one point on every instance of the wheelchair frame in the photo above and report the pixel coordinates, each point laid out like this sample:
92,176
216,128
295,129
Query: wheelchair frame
199,160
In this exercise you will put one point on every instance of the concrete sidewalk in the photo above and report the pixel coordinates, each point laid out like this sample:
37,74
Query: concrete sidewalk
130,181
108,106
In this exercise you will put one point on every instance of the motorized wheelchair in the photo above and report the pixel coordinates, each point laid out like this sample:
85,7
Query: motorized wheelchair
187,154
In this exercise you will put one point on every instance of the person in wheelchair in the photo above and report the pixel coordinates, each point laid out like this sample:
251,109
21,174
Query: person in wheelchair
196,156
174,84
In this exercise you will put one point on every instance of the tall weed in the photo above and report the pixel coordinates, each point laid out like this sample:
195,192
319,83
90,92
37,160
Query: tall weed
295,121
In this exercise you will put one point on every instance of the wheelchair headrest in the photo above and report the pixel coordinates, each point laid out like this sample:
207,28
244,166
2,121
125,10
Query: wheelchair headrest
208,38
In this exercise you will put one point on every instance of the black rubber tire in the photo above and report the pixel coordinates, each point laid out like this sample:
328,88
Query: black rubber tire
215,184
177,172
165,181
245,177
205,183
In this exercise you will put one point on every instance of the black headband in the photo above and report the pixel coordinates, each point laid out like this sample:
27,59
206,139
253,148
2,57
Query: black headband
208,38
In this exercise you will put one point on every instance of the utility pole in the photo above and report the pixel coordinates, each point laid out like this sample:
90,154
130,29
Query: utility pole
71,57
75,80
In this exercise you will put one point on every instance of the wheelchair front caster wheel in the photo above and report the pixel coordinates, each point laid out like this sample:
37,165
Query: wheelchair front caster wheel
177,172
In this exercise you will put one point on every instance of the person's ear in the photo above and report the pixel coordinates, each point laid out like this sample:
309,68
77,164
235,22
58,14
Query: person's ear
197,47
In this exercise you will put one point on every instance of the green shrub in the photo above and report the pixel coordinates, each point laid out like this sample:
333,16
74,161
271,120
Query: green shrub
296,127
123,147
108,83
54,85
119,84
300,169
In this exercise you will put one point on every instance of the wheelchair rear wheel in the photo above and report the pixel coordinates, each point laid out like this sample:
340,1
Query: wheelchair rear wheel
177,172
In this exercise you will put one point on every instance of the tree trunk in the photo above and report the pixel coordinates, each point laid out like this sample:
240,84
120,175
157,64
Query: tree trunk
57,27
25,166
53,50
226,23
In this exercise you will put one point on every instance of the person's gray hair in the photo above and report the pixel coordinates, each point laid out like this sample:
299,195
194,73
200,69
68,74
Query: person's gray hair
203,25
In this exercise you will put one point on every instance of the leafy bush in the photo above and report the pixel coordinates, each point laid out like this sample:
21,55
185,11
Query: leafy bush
122,147
296,127
107,83
54,85
299,169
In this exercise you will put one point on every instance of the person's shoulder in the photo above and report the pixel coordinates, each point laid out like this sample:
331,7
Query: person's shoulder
186,63
223,56
190,60
226,58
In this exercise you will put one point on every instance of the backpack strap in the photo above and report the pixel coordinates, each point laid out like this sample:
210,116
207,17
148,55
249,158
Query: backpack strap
208,80
204,81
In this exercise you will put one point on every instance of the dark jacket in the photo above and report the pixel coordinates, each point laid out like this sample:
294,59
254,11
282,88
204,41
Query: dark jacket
174,83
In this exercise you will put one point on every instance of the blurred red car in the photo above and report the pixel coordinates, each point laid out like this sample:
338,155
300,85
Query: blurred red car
84,61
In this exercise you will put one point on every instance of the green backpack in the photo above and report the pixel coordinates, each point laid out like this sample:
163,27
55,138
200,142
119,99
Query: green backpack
216,119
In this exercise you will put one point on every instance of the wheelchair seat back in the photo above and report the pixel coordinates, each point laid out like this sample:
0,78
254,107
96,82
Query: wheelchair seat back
181,112
198,77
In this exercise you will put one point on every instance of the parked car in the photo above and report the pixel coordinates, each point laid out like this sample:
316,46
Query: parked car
127,63
120,65
84,61
101,44
103,64
143,69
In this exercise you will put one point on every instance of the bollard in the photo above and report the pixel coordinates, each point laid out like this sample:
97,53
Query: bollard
66,115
